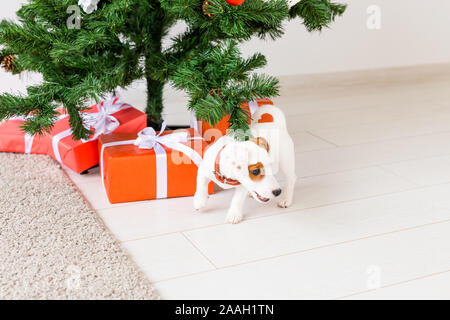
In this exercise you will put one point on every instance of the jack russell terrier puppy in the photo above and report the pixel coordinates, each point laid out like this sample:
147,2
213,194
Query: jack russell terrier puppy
250,166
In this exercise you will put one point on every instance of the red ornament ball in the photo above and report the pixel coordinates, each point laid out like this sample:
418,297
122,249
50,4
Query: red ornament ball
235,2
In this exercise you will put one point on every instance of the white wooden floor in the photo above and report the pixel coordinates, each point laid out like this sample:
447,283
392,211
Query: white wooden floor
371,217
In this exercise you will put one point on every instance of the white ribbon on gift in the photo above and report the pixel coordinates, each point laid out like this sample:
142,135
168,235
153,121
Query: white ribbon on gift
253,106
103,121
28,142
194,122
148,139
29,138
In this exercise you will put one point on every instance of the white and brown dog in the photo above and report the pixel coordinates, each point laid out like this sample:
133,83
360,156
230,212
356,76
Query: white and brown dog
250,166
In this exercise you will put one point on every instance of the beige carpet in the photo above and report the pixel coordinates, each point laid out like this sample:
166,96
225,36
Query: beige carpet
52,244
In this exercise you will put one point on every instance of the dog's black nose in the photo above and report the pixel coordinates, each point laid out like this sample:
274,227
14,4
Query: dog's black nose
276,192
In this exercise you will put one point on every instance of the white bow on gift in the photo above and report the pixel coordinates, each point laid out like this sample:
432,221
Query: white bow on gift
103,121
148,139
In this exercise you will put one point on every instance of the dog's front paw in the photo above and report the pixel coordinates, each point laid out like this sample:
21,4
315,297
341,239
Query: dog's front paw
284,203
200,201
234,217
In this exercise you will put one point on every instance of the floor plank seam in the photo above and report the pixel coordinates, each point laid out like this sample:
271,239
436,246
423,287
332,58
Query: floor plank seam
286,212
320,247
200,251
394,284
322,139
375,165
381,167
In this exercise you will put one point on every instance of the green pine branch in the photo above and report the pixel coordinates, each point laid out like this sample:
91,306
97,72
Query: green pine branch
219,80
122,42
316,14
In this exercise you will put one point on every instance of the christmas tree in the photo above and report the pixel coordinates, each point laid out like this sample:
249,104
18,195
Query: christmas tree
86,49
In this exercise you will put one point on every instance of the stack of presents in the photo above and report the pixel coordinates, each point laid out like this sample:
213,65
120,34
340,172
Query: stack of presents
136,163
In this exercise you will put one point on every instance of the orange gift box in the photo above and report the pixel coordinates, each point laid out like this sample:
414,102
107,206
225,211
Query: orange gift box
130,173
78,155
212,133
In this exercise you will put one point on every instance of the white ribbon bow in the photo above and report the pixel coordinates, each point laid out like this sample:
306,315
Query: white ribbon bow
148,139
102,121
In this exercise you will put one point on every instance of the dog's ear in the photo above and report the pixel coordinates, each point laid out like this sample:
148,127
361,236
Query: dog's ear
260,141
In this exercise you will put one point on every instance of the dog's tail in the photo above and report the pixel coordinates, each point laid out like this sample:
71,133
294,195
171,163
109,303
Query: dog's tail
278,116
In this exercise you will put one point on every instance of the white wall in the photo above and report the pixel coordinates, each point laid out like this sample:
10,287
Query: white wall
412,32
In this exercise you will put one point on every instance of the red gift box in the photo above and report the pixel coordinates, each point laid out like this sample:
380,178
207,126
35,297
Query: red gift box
77,155
159,166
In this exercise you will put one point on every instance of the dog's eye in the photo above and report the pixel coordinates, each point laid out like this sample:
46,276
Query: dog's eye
255,172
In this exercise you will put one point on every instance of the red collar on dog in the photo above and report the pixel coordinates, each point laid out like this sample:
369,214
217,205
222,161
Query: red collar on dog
220,177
